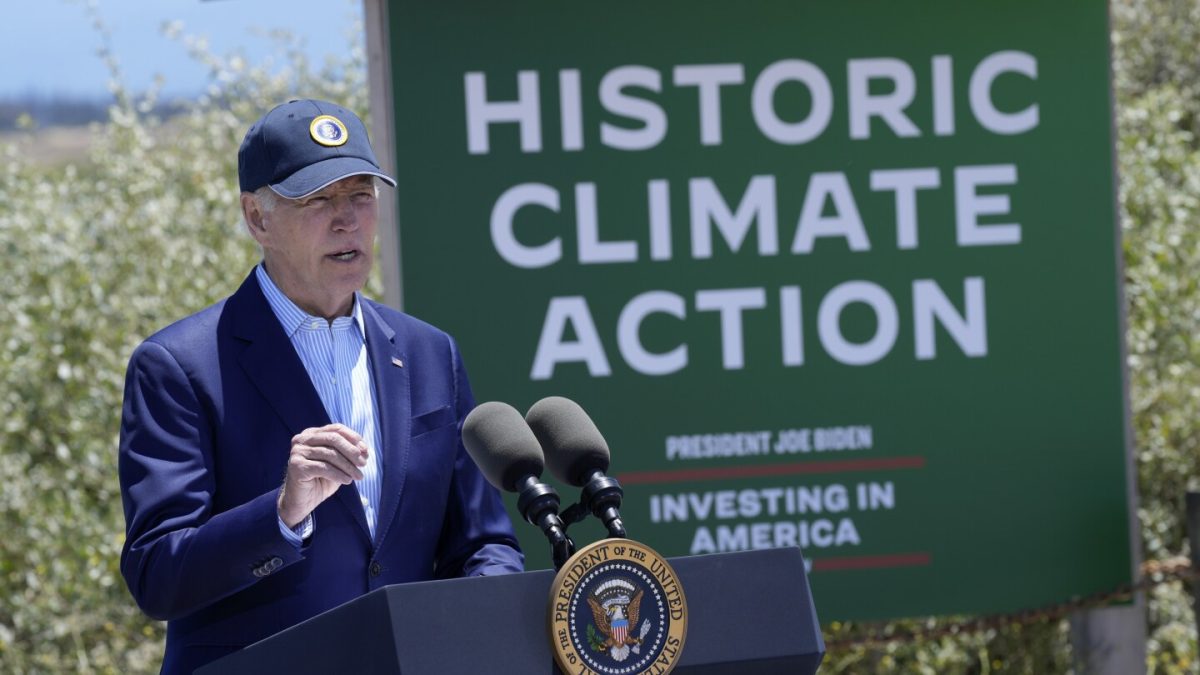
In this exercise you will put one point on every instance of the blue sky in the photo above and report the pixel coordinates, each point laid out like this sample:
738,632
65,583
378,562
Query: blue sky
48,47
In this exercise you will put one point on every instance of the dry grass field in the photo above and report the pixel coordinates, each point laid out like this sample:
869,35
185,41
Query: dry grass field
51,146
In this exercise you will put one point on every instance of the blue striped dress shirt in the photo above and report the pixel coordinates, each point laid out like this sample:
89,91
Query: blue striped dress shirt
335,356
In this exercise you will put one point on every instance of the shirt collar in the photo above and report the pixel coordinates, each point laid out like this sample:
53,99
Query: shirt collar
292,318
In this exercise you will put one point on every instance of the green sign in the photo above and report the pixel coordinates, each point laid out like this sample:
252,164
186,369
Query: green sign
840,275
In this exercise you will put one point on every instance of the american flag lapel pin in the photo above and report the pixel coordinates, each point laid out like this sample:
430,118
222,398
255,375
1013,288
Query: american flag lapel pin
397,362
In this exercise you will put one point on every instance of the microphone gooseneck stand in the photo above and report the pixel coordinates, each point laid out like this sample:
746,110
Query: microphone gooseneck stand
601,497
538,504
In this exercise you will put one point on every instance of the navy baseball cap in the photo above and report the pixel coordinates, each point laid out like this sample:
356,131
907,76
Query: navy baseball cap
302,146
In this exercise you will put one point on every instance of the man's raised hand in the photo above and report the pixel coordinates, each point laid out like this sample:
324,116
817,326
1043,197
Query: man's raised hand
322,460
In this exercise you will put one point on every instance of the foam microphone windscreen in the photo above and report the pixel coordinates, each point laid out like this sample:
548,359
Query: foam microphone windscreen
573,445
502,445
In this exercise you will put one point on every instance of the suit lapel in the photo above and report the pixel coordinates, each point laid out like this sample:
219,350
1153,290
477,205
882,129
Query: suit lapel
394,409
272,365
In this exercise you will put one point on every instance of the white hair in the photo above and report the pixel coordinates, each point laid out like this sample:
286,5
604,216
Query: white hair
268,199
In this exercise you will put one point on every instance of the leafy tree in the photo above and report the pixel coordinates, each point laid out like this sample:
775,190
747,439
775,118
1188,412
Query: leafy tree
1157,79
99,255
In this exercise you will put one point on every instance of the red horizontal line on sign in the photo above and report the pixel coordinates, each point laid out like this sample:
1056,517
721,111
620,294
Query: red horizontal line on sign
717,473
864,562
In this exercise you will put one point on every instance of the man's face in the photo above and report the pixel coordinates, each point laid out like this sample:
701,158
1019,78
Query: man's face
318,249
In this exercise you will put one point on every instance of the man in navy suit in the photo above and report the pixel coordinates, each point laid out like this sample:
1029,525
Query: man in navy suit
296,445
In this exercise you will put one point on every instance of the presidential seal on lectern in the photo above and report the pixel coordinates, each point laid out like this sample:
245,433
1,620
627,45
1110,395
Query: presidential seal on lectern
617,608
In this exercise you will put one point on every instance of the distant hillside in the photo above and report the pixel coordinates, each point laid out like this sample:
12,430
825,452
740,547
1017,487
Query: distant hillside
49,112
57,129
52,146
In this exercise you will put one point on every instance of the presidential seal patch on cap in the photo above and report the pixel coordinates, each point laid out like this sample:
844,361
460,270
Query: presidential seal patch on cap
617,608
328,131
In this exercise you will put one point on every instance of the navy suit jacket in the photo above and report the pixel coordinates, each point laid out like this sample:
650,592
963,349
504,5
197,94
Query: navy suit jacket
211,405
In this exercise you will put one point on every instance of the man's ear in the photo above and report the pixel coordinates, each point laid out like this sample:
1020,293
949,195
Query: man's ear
252,213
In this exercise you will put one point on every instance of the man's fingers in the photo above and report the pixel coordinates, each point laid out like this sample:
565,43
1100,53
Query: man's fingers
355,452
352,436
344,431
333,452
331,456
310,469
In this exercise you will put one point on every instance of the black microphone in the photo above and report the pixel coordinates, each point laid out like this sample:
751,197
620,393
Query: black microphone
578,455
508,455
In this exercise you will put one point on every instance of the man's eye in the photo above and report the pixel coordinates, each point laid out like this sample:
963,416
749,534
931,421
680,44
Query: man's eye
363,196
316,201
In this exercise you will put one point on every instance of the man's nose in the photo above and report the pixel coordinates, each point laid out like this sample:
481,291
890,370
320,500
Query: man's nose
344,216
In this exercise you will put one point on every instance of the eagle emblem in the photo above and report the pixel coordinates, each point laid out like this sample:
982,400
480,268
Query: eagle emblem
328,131
615,607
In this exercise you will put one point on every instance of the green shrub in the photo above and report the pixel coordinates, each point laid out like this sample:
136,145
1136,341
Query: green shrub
98,255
